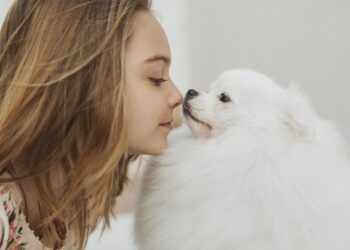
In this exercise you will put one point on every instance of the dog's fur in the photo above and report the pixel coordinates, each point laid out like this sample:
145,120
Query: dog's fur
260,172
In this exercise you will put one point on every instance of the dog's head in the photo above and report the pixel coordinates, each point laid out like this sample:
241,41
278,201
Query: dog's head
243,98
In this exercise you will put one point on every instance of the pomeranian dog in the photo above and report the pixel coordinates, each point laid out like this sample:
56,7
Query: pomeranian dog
254,169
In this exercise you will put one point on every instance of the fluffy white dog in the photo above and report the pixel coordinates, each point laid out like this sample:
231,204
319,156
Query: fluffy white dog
258,170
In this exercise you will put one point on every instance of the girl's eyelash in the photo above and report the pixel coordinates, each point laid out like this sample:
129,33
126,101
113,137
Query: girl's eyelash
157,81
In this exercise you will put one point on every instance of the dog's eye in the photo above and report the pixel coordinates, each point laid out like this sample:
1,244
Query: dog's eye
224,97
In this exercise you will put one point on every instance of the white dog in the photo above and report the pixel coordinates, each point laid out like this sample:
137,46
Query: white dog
260,170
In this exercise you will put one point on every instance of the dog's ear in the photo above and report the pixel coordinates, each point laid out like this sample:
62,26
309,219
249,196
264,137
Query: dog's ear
298,115
298,129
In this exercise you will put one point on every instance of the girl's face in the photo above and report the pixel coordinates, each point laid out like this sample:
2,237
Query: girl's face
152,96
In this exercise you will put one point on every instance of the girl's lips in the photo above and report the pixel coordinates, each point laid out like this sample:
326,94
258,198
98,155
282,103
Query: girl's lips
167,125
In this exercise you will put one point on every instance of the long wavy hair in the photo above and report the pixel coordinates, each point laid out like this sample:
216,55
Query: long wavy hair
62,106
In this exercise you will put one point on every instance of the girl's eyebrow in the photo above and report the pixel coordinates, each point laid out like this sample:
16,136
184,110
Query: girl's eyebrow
156,58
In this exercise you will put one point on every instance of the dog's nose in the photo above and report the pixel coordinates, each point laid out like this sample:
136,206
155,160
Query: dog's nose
191,93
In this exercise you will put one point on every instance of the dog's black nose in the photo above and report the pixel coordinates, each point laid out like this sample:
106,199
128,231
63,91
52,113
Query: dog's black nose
191,93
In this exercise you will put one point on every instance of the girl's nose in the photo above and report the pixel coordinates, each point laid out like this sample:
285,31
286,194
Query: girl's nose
176,98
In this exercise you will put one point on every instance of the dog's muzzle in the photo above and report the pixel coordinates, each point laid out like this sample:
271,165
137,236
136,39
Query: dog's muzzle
186,107
189,95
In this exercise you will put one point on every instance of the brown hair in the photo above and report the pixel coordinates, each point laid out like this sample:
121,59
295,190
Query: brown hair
62,108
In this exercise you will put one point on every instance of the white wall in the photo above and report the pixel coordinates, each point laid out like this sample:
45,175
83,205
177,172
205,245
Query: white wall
303,40
4,6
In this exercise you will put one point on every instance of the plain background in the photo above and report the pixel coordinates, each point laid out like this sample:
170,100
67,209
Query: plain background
303,41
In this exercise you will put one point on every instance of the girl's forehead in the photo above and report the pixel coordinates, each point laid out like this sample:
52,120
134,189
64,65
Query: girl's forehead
148,42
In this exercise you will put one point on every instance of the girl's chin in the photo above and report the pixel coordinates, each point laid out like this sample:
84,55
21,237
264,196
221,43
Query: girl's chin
157,150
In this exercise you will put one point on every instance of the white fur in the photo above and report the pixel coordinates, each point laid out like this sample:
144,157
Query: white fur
269,175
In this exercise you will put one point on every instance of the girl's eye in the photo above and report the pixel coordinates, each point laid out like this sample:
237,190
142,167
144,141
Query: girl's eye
157,81
224,97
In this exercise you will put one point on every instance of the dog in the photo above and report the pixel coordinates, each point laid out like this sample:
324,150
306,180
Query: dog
254,167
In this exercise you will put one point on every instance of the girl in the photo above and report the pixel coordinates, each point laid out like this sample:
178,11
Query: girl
84,90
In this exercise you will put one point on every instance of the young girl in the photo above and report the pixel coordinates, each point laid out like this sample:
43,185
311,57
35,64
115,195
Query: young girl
84,90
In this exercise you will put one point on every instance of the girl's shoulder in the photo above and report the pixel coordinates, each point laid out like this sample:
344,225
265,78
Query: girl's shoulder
15,232
11,214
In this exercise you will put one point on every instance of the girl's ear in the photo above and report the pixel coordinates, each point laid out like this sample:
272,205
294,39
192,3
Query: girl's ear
298,115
